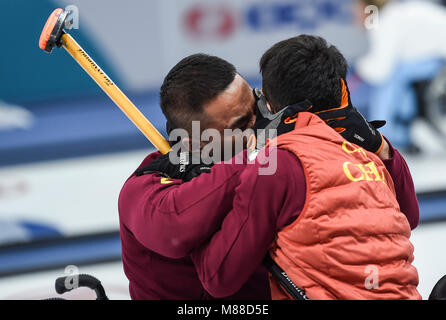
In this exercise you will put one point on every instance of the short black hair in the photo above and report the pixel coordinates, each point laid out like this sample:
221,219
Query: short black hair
193,82
303,68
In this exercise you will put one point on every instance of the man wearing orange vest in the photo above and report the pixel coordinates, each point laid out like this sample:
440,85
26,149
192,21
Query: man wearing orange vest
341,236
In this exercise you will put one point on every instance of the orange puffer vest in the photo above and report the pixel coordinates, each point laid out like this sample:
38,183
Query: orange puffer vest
351,241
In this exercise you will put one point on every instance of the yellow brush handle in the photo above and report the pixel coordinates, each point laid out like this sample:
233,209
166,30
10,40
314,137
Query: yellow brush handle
115,94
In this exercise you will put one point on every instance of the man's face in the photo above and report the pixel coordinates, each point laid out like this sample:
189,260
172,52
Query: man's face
232,109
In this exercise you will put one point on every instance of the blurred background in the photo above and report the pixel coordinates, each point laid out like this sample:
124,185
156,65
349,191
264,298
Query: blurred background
66,149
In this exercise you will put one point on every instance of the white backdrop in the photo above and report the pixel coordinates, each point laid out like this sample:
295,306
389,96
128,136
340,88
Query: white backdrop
144,39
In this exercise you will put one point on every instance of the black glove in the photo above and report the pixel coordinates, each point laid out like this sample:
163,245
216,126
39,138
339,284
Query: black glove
186,170
352,125
282,121
346,120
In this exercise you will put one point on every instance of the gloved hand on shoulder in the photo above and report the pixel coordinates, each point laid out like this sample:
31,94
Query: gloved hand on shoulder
346,120
269,125
352,125
188,167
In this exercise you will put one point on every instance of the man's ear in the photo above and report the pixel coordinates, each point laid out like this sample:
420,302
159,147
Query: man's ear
269,106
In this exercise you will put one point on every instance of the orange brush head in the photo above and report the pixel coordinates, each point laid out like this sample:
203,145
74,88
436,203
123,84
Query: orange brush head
53,30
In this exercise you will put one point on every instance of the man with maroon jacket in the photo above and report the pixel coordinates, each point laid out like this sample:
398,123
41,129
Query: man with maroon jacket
331,225
163,219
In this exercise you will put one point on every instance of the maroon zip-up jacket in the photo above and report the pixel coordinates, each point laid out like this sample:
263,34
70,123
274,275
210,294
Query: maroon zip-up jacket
162,221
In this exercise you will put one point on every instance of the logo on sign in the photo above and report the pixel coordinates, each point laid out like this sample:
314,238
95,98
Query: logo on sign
207,21
217,21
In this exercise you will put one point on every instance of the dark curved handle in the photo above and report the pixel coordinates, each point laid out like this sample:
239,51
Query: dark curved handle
85,280
439,291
